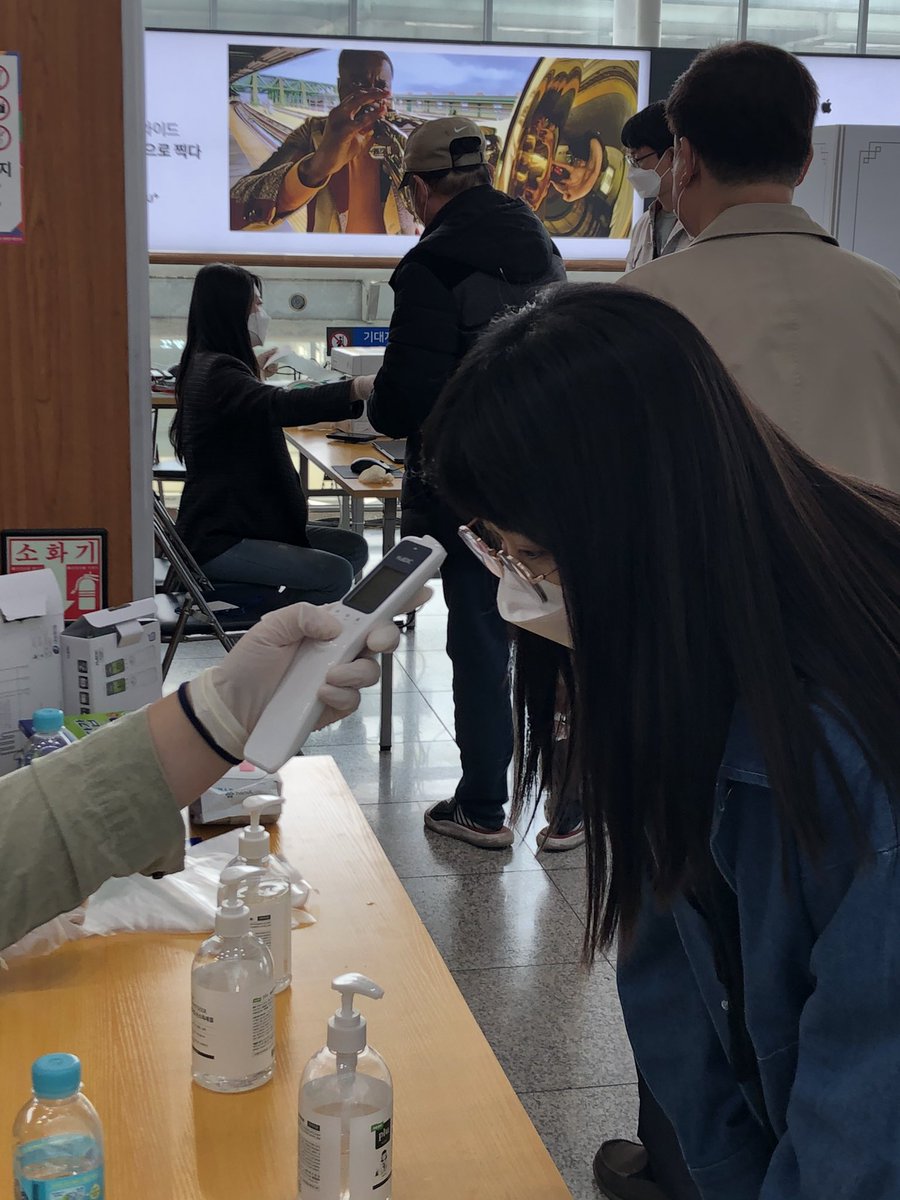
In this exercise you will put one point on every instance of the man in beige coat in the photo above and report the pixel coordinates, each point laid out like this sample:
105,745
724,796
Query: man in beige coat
811,332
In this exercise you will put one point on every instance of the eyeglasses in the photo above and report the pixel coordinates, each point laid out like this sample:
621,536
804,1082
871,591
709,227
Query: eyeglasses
636,162
498,561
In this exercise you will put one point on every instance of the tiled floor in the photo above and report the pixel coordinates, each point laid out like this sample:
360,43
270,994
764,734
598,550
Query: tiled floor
509,924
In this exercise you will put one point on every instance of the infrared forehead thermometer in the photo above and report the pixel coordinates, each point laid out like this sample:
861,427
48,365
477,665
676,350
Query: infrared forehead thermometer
295,709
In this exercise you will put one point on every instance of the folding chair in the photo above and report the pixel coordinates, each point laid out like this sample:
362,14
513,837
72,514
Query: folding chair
183,570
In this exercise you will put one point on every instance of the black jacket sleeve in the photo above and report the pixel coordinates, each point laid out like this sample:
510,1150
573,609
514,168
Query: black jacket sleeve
422,352
235,392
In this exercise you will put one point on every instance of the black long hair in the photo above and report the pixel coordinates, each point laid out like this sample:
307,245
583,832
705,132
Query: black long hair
217,322
703,558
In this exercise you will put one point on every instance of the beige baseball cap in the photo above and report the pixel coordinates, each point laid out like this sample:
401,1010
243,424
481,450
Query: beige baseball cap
428,148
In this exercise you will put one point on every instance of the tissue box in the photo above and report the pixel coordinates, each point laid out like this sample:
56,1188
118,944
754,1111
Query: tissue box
31,623
357,360
223,803
111,660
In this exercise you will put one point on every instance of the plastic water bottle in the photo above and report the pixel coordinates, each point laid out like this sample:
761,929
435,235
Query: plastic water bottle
57,1136
48,734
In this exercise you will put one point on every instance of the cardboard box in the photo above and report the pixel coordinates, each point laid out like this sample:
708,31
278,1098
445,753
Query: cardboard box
357,360
111,660
223,803
31,623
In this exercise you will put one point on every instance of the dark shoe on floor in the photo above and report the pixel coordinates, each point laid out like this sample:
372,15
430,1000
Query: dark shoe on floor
622,1171
448,819
570,840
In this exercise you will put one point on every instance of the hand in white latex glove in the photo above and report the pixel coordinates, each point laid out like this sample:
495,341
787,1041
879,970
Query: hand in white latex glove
361,387
230,697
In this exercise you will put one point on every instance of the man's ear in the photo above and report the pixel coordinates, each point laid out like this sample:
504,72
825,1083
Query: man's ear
689,159
806,166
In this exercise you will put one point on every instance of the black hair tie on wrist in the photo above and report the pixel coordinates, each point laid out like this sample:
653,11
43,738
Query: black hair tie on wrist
188,709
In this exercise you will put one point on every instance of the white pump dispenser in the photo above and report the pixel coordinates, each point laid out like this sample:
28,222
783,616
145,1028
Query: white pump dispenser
232,1018
268,895
346,1108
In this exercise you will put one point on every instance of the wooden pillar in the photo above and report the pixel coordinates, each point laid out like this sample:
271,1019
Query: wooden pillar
74,355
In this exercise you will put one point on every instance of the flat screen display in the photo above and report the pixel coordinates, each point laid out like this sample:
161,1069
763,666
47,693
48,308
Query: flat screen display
374,589
229,119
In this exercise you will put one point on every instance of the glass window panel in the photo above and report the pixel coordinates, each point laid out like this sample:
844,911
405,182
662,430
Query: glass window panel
805,26
428,20
884,27
698,23
581,21
176,14
284,16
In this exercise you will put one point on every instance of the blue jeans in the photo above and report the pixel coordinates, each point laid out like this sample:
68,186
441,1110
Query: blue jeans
320,573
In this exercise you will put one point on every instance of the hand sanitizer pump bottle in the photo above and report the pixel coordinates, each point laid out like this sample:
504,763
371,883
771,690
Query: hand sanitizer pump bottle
346,1108
232,1019
268,895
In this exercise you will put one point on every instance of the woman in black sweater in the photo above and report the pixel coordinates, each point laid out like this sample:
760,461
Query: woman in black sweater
243,514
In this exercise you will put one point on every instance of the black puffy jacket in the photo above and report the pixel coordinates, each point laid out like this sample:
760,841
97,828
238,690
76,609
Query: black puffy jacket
483,254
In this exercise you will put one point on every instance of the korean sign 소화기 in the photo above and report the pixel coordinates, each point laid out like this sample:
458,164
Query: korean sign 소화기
12,225
77,557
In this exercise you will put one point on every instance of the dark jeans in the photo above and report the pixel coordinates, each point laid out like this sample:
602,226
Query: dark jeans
478,646
655,1131
320,573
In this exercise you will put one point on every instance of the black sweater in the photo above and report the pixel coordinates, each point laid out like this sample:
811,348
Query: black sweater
483,254
241,482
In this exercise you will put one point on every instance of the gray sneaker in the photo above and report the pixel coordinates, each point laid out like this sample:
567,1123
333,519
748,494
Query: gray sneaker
447,818
551,840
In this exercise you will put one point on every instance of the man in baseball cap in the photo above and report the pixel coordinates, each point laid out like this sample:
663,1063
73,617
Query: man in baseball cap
444,144
481,253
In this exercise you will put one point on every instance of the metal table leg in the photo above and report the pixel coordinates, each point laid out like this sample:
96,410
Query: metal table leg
389,525
357,515
387,701
388,537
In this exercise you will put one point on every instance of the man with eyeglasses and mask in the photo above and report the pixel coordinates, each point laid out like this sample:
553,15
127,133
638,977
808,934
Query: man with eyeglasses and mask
647,140
481,254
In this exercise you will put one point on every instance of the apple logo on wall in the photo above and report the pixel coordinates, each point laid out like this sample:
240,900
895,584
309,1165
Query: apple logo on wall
826,106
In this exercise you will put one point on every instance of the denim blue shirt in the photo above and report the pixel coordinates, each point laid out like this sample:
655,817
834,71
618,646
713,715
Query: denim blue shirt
821,958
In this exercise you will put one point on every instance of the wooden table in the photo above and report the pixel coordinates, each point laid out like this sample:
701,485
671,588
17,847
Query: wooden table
122,1004
314,446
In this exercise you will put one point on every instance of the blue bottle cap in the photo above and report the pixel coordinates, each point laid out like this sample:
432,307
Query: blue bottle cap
47,720
55,1076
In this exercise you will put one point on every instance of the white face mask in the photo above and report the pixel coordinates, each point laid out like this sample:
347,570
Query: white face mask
519,604
646,180
258,324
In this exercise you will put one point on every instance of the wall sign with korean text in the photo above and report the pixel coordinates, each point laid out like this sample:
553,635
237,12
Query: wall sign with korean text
77,557
12,221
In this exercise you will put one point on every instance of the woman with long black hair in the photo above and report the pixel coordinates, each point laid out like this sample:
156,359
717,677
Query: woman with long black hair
725,613
243,514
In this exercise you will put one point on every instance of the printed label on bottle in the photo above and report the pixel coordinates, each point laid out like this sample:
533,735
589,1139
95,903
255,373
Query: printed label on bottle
270,921
371,1151
39,1165
320,1156
232,1036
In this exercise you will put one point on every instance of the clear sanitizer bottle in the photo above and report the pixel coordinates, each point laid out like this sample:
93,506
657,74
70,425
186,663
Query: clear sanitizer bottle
48,734
232,1010
346,1108
57,1136
268,895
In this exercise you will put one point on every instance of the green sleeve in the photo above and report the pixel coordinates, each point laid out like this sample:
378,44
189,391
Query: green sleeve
69,822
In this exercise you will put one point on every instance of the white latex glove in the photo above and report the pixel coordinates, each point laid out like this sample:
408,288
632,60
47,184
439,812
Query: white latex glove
229,698
361,387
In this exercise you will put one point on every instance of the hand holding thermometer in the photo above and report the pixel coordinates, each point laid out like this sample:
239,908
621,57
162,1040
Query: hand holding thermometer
295,709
